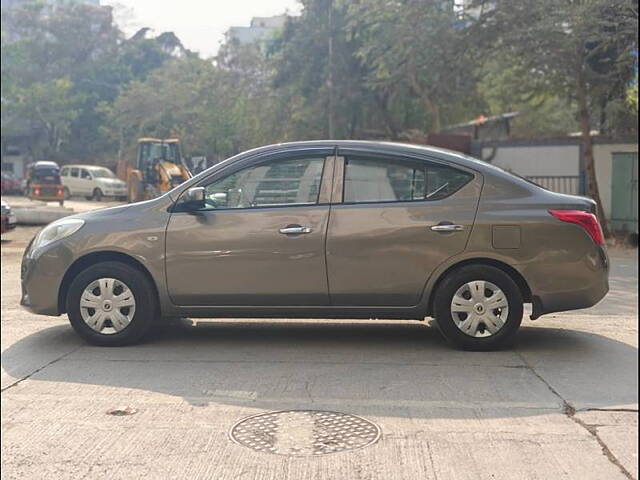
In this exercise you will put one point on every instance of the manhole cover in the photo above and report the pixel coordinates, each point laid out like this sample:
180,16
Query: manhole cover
304,432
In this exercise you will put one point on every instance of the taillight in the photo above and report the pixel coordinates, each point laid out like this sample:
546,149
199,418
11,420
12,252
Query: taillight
586,220
37,191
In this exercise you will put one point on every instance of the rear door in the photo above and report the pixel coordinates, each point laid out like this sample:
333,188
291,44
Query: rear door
65,173
260,239
393,221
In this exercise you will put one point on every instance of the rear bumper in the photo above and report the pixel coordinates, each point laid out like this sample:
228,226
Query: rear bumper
578,285
8,222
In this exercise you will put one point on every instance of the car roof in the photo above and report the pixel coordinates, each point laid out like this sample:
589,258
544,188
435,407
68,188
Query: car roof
44,163
78,165
382,147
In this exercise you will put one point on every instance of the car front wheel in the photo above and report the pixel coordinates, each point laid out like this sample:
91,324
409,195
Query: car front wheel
97,195
111,304
478,307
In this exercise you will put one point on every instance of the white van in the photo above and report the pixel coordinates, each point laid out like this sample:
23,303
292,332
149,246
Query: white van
92,182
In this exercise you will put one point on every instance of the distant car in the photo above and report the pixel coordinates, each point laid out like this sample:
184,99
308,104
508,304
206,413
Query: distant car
8,218
92,182
326,229
10,184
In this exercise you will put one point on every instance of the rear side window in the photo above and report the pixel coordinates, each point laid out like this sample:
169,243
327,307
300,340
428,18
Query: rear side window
75,172
391,180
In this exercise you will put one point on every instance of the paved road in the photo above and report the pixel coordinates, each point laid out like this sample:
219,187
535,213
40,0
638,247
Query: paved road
562,404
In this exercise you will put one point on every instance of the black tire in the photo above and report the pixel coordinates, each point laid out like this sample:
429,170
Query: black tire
442,308
61,203
97,195
146,307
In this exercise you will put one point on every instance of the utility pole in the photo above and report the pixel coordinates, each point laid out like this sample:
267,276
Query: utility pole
330,77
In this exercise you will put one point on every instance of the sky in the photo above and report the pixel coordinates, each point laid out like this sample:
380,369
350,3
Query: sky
200,24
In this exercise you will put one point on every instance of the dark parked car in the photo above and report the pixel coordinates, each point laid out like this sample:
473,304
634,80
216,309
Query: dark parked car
328,229
10,184
7,217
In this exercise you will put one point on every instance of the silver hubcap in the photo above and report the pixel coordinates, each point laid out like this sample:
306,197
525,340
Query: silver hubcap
107,305
479,308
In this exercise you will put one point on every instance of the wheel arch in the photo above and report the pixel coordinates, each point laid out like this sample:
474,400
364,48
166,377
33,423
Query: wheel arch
516,276
97,257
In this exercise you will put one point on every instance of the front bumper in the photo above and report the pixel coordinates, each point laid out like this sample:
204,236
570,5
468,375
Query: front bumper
41,276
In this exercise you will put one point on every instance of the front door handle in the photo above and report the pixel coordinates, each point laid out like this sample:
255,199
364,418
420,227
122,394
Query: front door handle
447,227
295,230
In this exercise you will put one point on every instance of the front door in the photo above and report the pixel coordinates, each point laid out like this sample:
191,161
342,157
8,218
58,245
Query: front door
85,182
259,241
394,221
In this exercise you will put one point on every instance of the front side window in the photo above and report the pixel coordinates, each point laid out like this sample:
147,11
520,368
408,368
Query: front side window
276,183
390,180
85,174
64,172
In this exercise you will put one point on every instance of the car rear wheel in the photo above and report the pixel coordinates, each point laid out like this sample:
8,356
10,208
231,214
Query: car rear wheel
111,304
478,307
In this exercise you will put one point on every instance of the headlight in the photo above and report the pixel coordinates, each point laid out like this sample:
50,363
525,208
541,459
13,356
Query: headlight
55,231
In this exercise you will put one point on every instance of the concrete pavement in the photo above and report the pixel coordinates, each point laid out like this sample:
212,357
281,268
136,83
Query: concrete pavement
562,404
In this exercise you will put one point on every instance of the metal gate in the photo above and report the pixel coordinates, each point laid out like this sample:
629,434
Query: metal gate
624,192
558,183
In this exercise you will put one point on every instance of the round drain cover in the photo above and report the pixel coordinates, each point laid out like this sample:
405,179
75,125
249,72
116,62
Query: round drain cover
304,432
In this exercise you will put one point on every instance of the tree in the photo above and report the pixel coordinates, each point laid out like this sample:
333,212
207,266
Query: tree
316,67
61,63
415,45
556,45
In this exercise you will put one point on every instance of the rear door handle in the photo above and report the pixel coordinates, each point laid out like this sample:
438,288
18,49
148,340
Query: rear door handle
447,227
295,229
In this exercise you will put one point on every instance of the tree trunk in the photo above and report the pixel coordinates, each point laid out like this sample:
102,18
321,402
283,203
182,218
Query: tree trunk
587,149
434,109
382,102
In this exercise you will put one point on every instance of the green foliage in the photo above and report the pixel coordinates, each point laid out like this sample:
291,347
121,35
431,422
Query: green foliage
389,69
506,87
632,99
60,63
561,50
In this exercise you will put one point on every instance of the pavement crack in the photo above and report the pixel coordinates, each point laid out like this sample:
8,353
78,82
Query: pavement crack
570,411
39,369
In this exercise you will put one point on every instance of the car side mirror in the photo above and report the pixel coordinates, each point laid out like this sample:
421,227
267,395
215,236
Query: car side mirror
194,198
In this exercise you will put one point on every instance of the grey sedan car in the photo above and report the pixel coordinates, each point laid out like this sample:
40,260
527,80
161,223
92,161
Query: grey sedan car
326,229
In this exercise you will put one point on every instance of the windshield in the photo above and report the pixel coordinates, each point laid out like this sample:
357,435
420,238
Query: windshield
46,175
102,173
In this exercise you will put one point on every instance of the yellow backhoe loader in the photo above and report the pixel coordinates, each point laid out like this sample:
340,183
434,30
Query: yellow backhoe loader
158,168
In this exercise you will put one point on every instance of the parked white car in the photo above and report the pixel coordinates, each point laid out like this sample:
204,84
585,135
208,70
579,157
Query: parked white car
92,182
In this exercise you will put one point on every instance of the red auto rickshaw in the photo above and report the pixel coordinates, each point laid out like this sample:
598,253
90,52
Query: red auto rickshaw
43,182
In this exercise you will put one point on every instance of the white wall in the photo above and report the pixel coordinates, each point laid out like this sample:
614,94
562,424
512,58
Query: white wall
18,164
537,160
541,160
604,166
